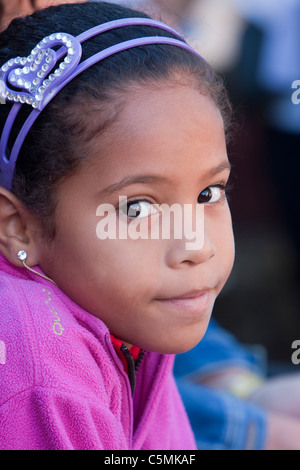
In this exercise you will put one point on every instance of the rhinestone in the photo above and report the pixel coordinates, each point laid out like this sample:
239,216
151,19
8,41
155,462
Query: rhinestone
68,60
51,77
45,40
17,98
10,96
12,79
23,99
52,37
34,51
35,104
26,70
59,36
23,61
33,67
29,100
17,60
21,81
58,73
27,85
41,74
42,89
49,60
71,51
22,255
64,38
62,66
45,67
4,68
36,81
39,97
11,62
38,60
18,72
69,44
46,83
32,89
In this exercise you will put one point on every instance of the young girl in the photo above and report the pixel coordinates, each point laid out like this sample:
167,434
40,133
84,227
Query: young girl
89,326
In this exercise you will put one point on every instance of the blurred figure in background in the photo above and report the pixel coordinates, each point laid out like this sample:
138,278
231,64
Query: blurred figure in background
10,9
231,402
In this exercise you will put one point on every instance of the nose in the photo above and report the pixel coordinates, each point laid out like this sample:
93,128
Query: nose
181,252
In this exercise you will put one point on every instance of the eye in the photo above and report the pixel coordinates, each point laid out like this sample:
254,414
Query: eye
138,209
212,194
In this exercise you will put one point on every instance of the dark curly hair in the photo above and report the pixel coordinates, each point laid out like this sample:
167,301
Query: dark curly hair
58,142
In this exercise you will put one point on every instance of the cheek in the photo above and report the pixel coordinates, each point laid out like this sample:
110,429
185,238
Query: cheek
125,265
131,260
122,278
223,239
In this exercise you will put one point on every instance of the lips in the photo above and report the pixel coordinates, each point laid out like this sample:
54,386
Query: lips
188,295
192,301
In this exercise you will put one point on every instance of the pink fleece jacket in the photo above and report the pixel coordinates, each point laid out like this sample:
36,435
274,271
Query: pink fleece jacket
64,387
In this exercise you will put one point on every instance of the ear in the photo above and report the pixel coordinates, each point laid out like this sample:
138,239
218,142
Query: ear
18,229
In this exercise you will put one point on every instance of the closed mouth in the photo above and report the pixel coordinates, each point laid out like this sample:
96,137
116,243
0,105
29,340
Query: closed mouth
188,295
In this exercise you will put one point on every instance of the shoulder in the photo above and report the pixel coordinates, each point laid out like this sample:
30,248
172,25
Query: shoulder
47,340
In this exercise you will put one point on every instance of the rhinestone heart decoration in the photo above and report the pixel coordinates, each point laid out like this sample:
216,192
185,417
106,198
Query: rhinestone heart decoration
31,78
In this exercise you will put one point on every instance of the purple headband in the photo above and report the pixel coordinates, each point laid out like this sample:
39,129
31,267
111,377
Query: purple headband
38,84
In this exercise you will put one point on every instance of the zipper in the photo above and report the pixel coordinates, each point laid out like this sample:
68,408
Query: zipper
131,366
120,366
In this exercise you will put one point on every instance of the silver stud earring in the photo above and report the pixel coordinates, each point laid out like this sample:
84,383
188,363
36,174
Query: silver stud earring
22,255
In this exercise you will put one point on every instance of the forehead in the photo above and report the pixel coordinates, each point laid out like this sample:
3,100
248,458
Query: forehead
175,133
162,128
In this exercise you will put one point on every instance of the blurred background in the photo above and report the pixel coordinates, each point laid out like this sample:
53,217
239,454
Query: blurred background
255,45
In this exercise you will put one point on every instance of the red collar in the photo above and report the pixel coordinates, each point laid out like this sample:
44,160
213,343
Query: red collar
134,351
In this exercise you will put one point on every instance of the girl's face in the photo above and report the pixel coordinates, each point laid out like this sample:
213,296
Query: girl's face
166,147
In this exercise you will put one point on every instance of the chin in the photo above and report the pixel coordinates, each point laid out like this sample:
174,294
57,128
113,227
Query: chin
177,345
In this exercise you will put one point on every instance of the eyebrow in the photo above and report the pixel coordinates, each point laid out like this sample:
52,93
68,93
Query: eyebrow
156,179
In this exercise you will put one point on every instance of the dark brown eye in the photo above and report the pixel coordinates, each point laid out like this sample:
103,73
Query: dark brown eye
205,196
138,209
211,194
134,209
